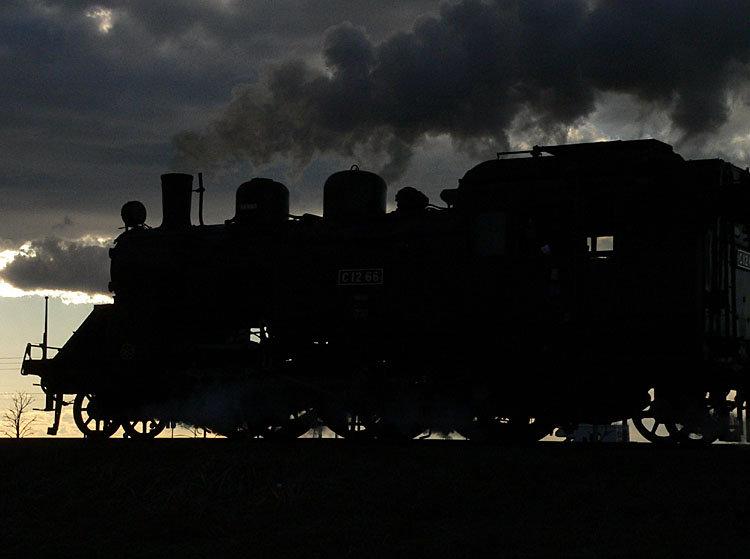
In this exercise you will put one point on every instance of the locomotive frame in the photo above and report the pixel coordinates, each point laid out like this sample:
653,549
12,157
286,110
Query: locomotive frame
501,316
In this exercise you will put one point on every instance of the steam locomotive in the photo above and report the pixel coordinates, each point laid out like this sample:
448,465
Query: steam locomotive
585,283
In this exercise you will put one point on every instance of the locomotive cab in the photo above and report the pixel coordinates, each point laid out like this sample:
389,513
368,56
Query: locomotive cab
641,268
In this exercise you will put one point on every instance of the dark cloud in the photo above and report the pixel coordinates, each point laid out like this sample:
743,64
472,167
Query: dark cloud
480,71
66,223
683,54
94,91
160,56
60,265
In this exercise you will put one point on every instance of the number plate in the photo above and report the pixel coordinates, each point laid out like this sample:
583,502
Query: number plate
365,276
743,259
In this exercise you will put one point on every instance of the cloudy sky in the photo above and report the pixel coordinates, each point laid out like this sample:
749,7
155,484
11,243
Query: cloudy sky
98,99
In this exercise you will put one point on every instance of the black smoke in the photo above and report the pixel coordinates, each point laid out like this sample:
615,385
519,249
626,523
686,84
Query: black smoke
60,265
481,71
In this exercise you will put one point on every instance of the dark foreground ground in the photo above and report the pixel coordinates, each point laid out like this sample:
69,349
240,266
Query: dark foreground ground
315,498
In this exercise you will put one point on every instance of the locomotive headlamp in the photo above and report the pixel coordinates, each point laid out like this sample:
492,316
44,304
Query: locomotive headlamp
133,214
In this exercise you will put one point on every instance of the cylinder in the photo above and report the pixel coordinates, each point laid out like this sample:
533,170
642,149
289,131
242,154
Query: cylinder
176,193
354,195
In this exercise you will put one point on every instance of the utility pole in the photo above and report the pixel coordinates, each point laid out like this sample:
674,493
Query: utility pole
44,336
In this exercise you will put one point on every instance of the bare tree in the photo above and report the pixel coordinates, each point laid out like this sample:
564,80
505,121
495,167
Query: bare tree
16,416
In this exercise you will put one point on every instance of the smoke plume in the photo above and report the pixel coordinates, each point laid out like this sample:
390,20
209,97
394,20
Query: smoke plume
481,71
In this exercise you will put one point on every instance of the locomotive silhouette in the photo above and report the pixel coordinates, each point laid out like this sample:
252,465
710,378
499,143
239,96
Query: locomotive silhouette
586,283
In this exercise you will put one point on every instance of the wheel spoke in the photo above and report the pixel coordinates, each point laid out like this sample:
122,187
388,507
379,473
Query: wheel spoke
686,420
144,428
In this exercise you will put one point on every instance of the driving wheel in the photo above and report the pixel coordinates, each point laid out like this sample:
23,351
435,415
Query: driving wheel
89,419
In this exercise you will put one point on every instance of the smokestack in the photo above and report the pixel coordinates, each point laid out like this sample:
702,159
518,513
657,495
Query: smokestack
176,193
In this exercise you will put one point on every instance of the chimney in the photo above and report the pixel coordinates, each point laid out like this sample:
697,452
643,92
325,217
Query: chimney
176,194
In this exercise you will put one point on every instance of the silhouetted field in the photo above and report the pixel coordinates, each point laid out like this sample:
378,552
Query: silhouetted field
311,498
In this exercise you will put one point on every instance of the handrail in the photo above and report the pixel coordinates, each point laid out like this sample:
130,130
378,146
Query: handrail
41,346
28,357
